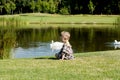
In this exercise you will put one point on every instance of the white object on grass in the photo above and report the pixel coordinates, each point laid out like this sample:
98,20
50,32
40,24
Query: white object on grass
56,45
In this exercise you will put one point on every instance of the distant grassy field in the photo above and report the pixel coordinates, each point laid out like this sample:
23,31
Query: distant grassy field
37,18
103,65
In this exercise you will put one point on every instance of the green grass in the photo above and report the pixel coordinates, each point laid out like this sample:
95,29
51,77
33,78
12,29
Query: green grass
47,18
11,21
37,18
103,65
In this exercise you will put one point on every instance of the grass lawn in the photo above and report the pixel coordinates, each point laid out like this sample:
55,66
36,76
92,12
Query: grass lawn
37,18
104,65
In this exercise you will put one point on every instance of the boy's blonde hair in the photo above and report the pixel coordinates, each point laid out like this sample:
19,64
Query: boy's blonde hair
65,35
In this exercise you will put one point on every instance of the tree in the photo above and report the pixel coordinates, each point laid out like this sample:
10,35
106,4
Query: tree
119,6
39,6
7,8
1,7
91,6
52,6
3,2
45,6
64,11
61,6
32,5
12,6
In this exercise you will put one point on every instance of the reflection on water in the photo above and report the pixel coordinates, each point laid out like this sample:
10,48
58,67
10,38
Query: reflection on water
112,45
41,49
28,43
7,42
117,46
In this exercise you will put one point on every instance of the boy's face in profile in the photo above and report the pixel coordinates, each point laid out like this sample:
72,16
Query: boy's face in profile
65,36
64,40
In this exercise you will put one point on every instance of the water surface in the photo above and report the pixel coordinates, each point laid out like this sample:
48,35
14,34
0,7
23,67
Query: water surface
32,42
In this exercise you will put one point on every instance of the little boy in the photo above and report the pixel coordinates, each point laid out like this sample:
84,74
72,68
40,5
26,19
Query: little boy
66,53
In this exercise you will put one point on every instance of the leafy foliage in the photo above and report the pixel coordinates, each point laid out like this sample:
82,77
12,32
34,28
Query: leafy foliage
60,6
64,11
91,6
32,5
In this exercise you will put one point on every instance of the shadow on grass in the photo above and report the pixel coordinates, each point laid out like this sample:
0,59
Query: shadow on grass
52,58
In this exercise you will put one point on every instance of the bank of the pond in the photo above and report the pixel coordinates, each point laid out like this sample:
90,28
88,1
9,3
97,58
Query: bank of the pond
39,18
104,65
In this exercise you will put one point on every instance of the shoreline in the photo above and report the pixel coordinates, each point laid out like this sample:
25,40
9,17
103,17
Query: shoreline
39,18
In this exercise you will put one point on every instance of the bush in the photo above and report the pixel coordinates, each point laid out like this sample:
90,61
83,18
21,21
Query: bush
64,11
45,7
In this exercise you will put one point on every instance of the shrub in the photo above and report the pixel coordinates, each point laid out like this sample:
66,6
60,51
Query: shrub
64,11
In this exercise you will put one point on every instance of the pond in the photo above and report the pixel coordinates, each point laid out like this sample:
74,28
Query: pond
35,42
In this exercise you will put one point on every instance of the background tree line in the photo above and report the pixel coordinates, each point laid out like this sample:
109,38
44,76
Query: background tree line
60,6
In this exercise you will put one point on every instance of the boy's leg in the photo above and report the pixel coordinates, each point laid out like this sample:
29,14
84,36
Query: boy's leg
63,56
58,56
